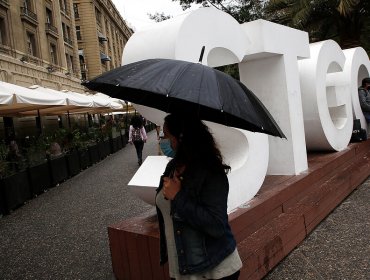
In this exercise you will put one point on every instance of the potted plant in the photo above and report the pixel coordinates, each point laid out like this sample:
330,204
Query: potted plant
56,157
104,134
38,168
93,149
14,186
83,152
72,144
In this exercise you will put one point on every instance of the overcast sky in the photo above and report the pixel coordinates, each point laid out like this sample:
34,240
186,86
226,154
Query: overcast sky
135,12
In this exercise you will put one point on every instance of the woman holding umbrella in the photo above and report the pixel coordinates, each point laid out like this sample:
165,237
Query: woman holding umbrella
195,236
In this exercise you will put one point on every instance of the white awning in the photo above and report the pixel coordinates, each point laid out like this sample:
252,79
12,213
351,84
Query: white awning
15,99
20,101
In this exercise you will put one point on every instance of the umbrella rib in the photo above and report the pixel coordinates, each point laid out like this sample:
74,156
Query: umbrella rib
201,81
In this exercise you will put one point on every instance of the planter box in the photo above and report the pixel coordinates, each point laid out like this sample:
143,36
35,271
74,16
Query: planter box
112,145
58,170
84,158
14,191
116,144
101,149
119,142
104,149
73,163
94,154
39,178
124,140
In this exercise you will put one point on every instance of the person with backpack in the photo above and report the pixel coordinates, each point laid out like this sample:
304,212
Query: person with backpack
364,98
137,136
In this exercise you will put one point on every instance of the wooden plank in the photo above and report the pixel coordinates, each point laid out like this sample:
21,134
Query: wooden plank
142,245
119,255
157,269
132,239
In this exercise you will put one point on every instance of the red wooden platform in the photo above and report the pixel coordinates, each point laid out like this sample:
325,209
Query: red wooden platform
267,228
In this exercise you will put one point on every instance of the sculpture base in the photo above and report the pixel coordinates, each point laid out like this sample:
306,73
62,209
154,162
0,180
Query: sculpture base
267,228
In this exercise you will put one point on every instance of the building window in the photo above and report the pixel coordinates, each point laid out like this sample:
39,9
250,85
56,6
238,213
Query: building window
31,44
66,33
98,16
28,5
3,34
49,16
72,69
63,6
70,65
68,62
75,8
64,29
53,54
78,32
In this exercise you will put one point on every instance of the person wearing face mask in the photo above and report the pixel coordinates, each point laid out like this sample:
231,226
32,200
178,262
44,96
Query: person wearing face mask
166,148
191,202
364,98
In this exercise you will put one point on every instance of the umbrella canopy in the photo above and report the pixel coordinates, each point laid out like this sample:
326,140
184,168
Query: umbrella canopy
181,86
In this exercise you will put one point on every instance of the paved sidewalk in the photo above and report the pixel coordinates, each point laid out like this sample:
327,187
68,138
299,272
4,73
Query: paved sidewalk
338,248
62,234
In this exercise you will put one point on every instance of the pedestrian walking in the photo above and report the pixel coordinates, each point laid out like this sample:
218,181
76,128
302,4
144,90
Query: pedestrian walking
137,136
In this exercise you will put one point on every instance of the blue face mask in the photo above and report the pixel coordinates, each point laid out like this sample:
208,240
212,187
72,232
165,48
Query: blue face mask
165,145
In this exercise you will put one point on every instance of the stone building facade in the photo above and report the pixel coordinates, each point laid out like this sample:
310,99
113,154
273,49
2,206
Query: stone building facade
58,43
101,36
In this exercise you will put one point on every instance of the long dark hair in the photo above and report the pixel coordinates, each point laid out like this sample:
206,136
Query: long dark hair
136,122
195,142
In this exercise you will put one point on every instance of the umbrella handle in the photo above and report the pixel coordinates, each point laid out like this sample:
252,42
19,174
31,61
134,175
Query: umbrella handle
201,54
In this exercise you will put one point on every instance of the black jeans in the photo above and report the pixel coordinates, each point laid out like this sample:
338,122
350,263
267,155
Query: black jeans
234,276
139,145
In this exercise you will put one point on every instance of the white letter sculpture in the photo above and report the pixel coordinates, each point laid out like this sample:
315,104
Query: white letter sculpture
356,67
326,98
270,70
306,88
182,38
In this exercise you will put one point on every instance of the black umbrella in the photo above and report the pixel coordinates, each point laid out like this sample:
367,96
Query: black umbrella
181,86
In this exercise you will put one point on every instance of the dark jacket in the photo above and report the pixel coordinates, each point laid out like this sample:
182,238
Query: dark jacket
199,213
364,98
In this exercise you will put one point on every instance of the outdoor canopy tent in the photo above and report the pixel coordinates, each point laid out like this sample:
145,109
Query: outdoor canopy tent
101,104
16,99
21,101
74,102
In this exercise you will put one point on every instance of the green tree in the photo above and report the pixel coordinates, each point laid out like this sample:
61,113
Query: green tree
158,17
345,21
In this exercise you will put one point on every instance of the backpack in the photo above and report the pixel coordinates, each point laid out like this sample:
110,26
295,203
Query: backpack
358,134
136,134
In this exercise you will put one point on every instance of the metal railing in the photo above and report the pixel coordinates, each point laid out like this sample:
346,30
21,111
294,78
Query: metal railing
51,28
67,40
28,14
